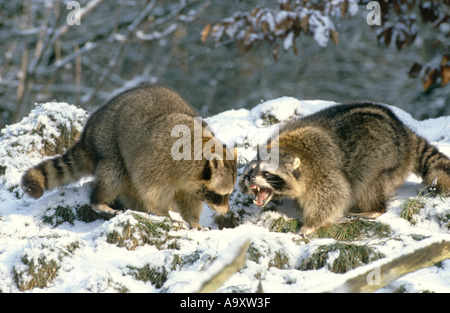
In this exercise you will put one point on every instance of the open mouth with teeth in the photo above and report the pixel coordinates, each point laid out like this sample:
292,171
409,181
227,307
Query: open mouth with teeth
263,195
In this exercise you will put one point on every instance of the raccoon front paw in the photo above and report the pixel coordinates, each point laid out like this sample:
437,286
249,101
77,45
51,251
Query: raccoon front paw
306,231
195,225
105,211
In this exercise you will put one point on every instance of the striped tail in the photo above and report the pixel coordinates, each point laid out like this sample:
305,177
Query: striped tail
58,171
433,166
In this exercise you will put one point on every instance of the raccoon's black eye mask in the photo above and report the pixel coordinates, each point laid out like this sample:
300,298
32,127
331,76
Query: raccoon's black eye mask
262,194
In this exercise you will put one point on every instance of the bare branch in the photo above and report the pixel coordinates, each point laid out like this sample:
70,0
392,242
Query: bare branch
397,267
229,269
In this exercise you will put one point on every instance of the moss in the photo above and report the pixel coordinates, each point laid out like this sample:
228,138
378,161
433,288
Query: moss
61,214
445,220
57,145
145,231
282,225
157,276
253,253
279,260
354,230
269,119
349,257
2,170
411,207
38,273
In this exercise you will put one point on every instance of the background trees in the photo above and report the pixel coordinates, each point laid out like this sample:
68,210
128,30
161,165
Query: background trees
225,54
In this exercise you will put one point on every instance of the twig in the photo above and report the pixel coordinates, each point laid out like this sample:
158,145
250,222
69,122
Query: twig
222,276
398,267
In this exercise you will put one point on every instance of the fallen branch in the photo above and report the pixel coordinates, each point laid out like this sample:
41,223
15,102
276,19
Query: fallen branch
382,275
222,276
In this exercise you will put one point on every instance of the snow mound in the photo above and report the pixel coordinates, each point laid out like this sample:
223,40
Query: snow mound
47,130
57,244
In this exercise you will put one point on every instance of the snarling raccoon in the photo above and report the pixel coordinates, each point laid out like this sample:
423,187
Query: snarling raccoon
346,158
127,145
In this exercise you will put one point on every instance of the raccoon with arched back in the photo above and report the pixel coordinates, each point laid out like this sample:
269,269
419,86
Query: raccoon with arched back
126,145
345,158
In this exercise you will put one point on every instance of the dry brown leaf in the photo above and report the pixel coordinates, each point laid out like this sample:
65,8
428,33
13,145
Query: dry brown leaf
304,23
275,52
294,47
205,32
415,70
334,36
445,70
265,27
344,8
430,77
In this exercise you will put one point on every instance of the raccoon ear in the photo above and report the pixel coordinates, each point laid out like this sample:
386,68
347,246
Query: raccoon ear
296,163
215,162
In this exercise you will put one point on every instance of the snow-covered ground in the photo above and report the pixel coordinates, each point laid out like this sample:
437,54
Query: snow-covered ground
56,244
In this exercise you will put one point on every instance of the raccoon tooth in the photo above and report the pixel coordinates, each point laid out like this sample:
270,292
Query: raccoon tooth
258,188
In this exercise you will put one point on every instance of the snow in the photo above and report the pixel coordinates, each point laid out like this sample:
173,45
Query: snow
85,257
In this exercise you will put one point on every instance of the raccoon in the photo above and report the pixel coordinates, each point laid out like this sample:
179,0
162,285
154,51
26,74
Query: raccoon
126,145
348,158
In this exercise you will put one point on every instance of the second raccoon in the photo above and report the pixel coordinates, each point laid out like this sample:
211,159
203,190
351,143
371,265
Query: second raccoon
346,158
126,145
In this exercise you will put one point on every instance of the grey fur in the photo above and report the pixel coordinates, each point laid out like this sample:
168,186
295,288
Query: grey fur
126,145
346,158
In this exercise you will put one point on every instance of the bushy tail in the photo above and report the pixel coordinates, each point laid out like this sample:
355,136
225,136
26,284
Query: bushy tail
433,166
58,171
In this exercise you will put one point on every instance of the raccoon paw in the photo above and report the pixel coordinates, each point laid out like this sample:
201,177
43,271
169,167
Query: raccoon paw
306,231
195,225
104,210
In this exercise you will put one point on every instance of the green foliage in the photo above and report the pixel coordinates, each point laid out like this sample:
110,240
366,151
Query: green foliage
282,225
280,260
411,207
354,230
39,272
140,230
156,275
340,257
61,214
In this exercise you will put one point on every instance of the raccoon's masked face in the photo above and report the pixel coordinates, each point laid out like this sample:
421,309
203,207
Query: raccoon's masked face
264,181
218,180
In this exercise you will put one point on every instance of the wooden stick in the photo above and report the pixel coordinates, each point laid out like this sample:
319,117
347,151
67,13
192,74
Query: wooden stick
387,273
222,276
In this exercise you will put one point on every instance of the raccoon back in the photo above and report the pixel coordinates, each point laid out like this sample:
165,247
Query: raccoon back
377,145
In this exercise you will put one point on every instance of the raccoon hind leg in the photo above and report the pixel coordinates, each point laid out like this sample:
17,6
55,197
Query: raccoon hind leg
371,203
107,187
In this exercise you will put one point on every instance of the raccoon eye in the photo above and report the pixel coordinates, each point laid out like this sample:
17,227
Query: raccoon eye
265,174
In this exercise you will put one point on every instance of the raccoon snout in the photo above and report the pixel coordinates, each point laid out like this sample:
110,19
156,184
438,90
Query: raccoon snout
221,209
250,177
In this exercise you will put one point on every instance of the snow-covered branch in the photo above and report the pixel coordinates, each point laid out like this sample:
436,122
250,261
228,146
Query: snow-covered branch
287,22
